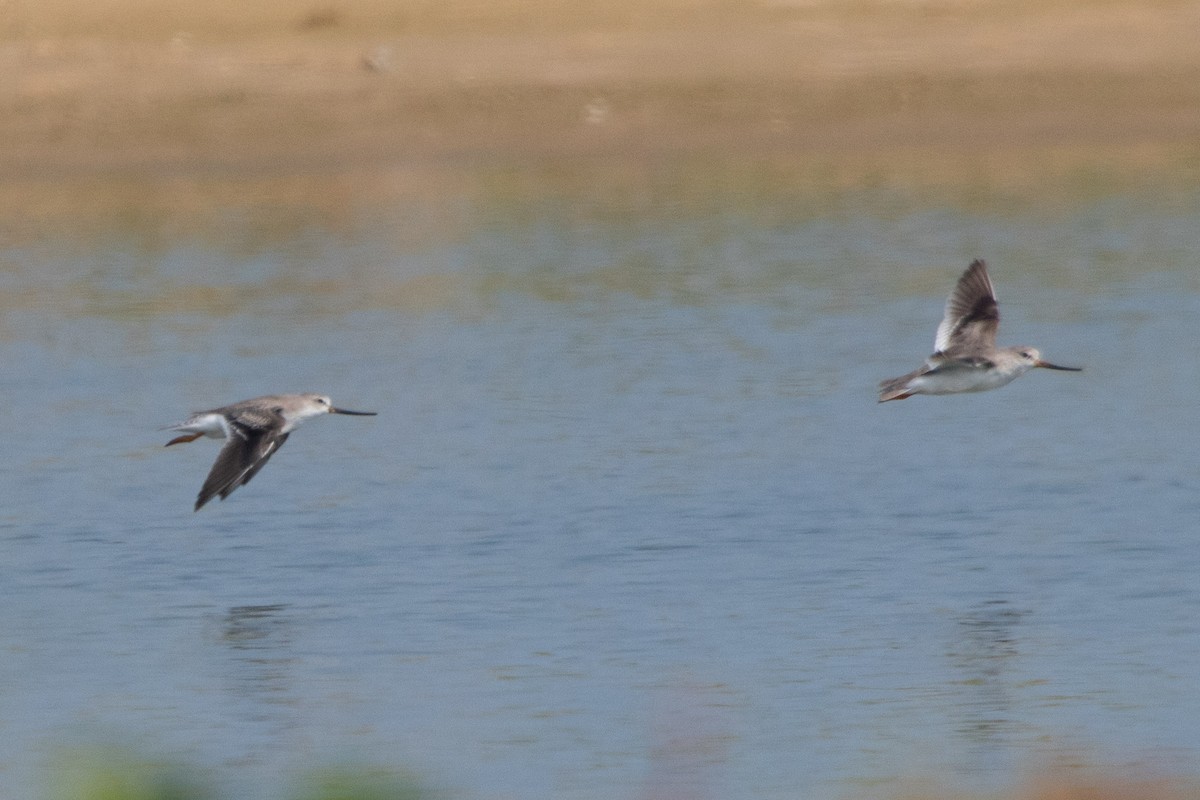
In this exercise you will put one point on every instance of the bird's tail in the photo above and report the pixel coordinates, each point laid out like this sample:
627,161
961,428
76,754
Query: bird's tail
895,388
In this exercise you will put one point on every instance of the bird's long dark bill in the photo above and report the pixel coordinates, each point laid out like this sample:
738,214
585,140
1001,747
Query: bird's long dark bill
353,413
1048,365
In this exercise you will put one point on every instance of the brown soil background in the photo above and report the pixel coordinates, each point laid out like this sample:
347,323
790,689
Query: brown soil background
158,87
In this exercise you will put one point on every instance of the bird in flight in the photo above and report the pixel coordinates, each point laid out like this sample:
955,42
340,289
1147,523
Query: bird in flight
253,430
965,357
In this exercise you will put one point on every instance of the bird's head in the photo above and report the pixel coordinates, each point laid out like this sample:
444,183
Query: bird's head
1032,358
321,404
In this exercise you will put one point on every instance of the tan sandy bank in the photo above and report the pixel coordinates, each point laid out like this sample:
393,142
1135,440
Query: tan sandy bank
131,85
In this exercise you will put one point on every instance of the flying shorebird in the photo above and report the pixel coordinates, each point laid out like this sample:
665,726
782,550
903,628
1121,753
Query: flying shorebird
965,357
253,430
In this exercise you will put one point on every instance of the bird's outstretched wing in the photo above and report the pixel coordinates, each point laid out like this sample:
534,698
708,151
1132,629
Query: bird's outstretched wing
254,436
972,315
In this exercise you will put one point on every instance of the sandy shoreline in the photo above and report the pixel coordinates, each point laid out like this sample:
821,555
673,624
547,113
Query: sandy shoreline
336,87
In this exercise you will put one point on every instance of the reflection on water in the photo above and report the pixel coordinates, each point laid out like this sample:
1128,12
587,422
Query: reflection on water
986,656
437,239
631,523
258,672
689,744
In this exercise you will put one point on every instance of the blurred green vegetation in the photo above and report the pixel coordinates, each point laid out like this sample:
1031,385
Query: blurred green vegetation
345,783
118,774
114,774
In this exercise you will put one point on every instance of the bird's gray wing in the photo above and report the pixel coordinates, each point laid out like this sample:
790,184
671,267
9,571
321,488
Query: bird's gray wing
250,473
972,315
254,436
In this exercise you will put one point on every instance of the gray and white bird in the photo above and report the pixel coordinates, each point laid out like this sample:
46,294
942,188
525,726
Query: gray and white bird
965,357
253,430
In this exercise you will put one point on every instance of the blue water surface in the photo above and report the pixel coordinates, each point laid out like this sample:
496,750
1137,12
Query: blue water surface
630,522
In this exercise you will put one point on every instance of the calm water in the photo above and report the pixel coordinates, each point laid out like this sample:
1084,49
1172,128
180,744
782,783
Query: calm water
629,523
